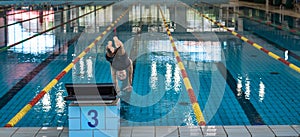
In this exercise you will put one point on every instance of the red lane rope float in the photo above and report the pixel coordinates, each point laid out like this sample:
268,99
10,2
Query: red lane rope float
25,109
115,31
186,81
271,54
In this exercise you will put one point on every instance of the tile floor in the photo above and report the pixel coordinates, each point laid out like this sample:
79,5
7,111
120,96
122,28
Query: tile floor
167,131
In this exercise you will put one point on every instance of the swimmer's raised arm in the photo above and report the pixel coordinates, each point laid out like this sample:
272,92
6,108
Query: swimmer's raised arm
110,50
119,44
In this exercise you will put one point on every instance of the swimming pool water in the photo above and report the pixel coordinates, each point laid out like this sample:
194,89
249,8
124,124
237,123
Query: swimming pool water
235,84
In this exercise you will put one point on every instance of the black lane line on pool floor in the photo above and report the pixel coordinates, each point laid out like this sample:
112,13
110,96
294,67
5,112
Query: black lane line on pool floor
25,80
250,111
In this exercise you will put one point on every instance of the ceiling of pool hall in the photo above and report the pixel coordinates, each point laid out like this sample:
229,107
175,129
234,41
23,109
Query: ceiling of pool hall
104,2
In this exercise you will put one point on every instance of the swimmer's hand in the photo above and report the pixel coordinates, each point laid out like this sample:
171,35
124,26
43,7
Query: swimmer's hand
118,43
109,47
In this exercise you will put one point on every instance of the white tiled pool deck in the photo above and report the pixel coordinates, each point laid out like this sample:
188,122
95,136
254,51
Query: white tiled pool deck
167,131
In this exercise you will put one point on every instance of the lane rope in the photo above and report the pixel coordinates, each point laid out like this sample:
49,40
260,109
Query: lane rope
257,46
39,96
186,81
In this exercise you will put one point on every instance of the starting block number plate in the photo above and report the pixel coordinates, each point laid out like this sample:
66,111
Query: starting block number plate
92,117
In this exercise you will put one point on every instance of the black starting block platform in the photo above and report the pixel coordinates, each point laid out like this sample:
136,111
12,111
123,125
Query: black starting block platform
90,91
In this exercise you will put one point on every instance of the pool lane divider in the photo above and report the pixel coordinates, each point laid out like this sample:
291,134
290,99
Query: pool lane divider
197,110
43,15
269,23
271,54
25,80
51,84
12,45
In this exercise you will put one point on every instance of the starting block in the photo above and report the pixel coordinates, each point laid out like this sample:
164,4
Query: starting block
94,110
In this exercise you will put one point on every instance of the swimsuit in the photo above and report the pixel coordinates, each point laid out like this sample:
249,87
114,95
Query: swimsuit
118,62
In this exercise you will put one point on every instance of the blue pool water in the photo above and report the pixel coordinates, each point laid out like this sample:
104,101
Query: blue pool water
234,83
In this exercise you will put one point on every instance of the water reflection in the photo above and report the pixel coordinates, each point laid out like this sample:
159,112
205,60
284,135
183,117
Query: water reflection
199,51
153,78
60,105
90,67
168,76
239,86
188,120
81,67
37,45
46,102
260,88
177,80
247,88
261,91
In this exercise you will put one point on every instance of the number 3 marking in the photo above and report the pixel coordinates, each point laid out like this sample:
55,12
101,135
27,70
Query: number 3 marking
94,117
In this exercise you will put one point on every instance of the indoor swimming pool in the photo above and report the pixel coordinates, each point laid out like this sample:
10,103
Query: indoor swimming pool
234,83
